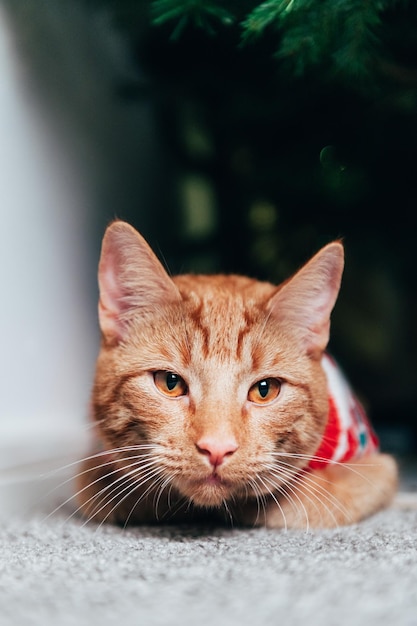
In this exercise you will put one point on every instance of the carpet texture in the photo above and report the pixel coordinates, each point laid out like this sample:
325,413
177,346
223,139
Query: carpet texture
57,571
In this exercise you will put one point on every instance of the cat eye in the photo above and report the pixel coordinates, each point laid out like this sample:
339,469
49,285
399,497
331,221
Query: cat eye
264,391
170,384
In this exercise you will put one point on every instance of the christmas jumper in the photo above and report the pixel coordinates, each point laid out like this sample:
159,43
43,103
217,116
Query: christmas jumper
348,434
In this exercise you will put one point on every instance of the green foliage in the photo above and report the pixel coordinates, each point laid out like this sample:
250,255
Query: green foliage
264,15
195,12
346,39
341,35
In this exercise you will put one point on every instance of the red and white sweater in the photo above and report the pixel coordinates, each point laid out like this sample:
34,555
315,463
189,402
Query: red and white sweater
348,434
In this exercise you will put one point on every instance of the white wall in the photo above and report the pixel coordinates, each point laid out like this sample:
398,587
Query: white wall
73,155
48,339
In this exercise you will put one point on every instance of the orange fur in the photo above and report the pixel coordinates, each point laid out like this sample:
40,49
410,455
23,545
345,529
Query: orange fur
208,450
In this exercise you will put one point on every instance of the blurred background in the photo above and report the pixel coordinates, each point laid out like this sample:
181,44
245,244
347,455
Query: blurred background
236,136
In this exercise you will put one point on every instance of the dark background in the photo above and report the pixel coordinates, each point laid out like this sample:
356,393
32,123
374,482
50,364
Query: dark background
284,163
250,163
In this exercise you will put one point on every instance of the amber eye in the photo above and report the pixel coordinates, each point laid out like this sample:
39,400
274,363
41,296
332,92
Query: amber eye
264,391
170,384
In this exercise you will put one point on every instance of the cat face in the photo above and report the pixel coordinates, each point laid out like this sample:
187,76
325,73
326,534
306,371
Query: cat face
214,381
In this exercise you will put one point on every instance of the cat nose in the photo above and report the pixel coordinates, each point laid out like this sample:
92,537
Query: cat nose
216,449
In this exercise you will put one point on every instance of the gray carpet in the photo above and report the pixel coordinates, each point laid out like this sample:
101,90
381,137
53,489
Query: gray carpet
57,571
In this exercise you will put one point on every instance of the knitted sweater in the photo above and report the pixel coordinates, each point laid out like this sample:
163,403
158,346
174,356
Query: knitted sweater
348,434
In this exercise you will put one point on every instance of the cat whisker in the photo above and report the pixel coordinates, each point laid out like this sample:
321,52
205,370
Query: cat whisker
79,462
74,477
169,495
260,500
130,483
287,491
109,492
75,495
154,485
315,490
228,512
112,451
350,466
128,490
178,505
160,491
163,485
88,485
114,485
319,459
271,493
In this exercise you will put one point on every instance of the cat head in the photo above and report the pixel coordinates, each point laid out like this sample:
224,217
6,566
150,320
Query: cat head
214,376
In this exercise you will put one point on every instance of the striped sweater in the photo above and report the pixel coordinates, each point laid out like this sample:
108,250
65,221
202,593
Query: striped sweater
348,434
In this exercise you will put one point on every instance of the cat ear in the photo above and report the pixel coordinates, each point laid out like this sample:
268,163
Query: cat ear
131,278
306,300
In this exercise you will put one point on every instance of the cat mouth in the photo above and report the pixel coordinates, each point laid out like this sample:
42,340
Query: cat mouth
209,491
214,479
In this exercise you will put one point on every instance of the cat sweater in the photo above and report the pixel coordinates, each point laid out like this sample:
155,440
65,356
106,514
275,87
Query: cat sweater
348,434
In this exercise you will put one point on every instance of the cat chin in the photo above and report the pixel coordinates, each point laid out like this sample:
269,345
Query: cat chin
209,492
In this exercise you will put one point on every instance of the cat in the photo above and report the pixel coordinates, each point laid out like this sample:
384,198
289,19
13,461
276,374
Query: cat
214,400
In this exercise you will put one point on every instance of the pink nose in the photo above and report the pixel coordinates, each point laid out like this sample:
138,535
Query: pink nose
216,449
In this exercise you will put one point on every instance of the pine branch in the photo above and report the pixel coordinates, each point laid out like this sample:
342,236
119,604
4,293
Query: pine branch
199,13
340,36
263,16
273,12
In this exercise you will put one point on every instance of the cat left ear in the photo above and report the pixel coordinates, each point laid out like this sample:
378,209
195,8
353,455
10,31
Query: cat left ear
304,302
131,279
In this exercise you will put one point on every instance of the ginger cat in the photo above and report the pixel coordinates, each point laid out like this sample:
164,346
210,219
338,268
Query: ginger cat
214,399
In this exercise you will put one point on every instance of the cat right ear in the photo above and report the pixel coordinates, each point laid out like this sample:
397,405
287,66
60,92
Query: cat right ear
131,279
305,301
